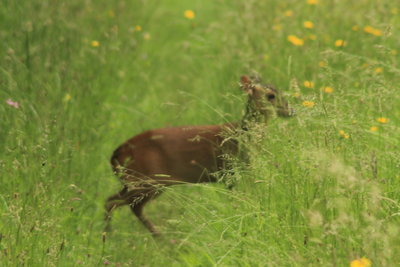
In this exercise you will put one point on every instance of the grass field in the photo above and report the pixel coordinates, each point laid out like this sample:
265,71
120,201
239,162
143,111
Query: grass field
77,78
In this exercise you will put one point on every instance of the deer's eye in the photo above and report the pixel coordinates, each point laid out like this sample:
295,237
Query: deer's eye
271,97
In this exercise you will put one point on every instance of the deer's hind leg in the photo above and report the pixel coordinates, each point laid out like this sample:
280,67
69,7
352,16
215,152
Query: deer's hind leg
113,202
137,200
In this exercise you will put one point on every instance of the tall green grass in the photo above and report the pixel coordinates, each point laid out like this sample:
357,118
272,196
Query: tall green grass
311,195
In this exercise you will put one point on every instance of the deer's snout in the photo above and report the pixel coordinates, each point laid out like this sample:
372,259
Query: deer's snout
286,112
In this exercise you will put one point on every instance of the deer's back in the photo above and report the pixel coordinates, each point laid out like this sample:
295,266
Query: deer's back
176,154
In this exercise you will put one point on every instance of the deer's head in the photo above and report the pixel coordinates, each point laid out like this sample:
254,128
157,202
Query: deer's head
264,100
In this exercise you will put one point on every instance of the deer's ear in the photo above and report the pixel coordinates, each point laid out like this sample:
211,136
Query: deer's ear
246,84
245,80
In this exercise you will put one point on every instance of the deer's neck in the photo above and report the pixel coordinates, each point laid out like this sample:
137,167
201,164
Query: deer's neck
251,115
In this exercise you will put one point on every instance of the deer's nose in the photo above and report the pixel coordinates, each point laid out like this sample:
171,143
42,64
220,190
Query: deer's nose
287,112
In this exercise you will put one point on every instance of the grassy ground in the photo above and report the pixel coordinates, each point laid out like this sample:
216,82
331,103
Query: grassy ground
78,78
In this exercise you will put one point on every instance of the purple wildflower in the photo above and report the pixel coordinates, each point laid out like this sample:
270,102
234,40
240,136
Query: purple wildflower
12,103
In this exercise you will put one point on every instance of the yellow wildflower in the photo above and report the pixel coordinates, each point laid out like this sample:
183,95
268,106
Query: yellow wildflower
393,52
277,27
340,43
328,90
365,65
95,43
308,104
189,14
373,31
382,120
288,13
373,129
355,28
295,40
394,11
312,2
138,28
308,24
67,98
312,37
111,13
121,74
266,57
322,64
308,84
146,36
344,135
363,262
296,94
378,70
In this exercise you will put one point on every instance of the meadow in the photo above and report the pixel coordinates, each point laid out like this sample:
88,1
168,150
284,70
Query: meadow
78,78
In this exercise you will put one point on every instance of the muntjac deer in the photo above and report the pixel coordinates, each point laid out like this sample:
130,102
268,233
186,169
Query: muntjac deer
185,154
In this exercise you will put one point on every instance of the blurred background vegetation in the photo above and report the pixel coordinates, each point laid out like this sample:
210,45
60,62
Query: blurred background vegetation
78,78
